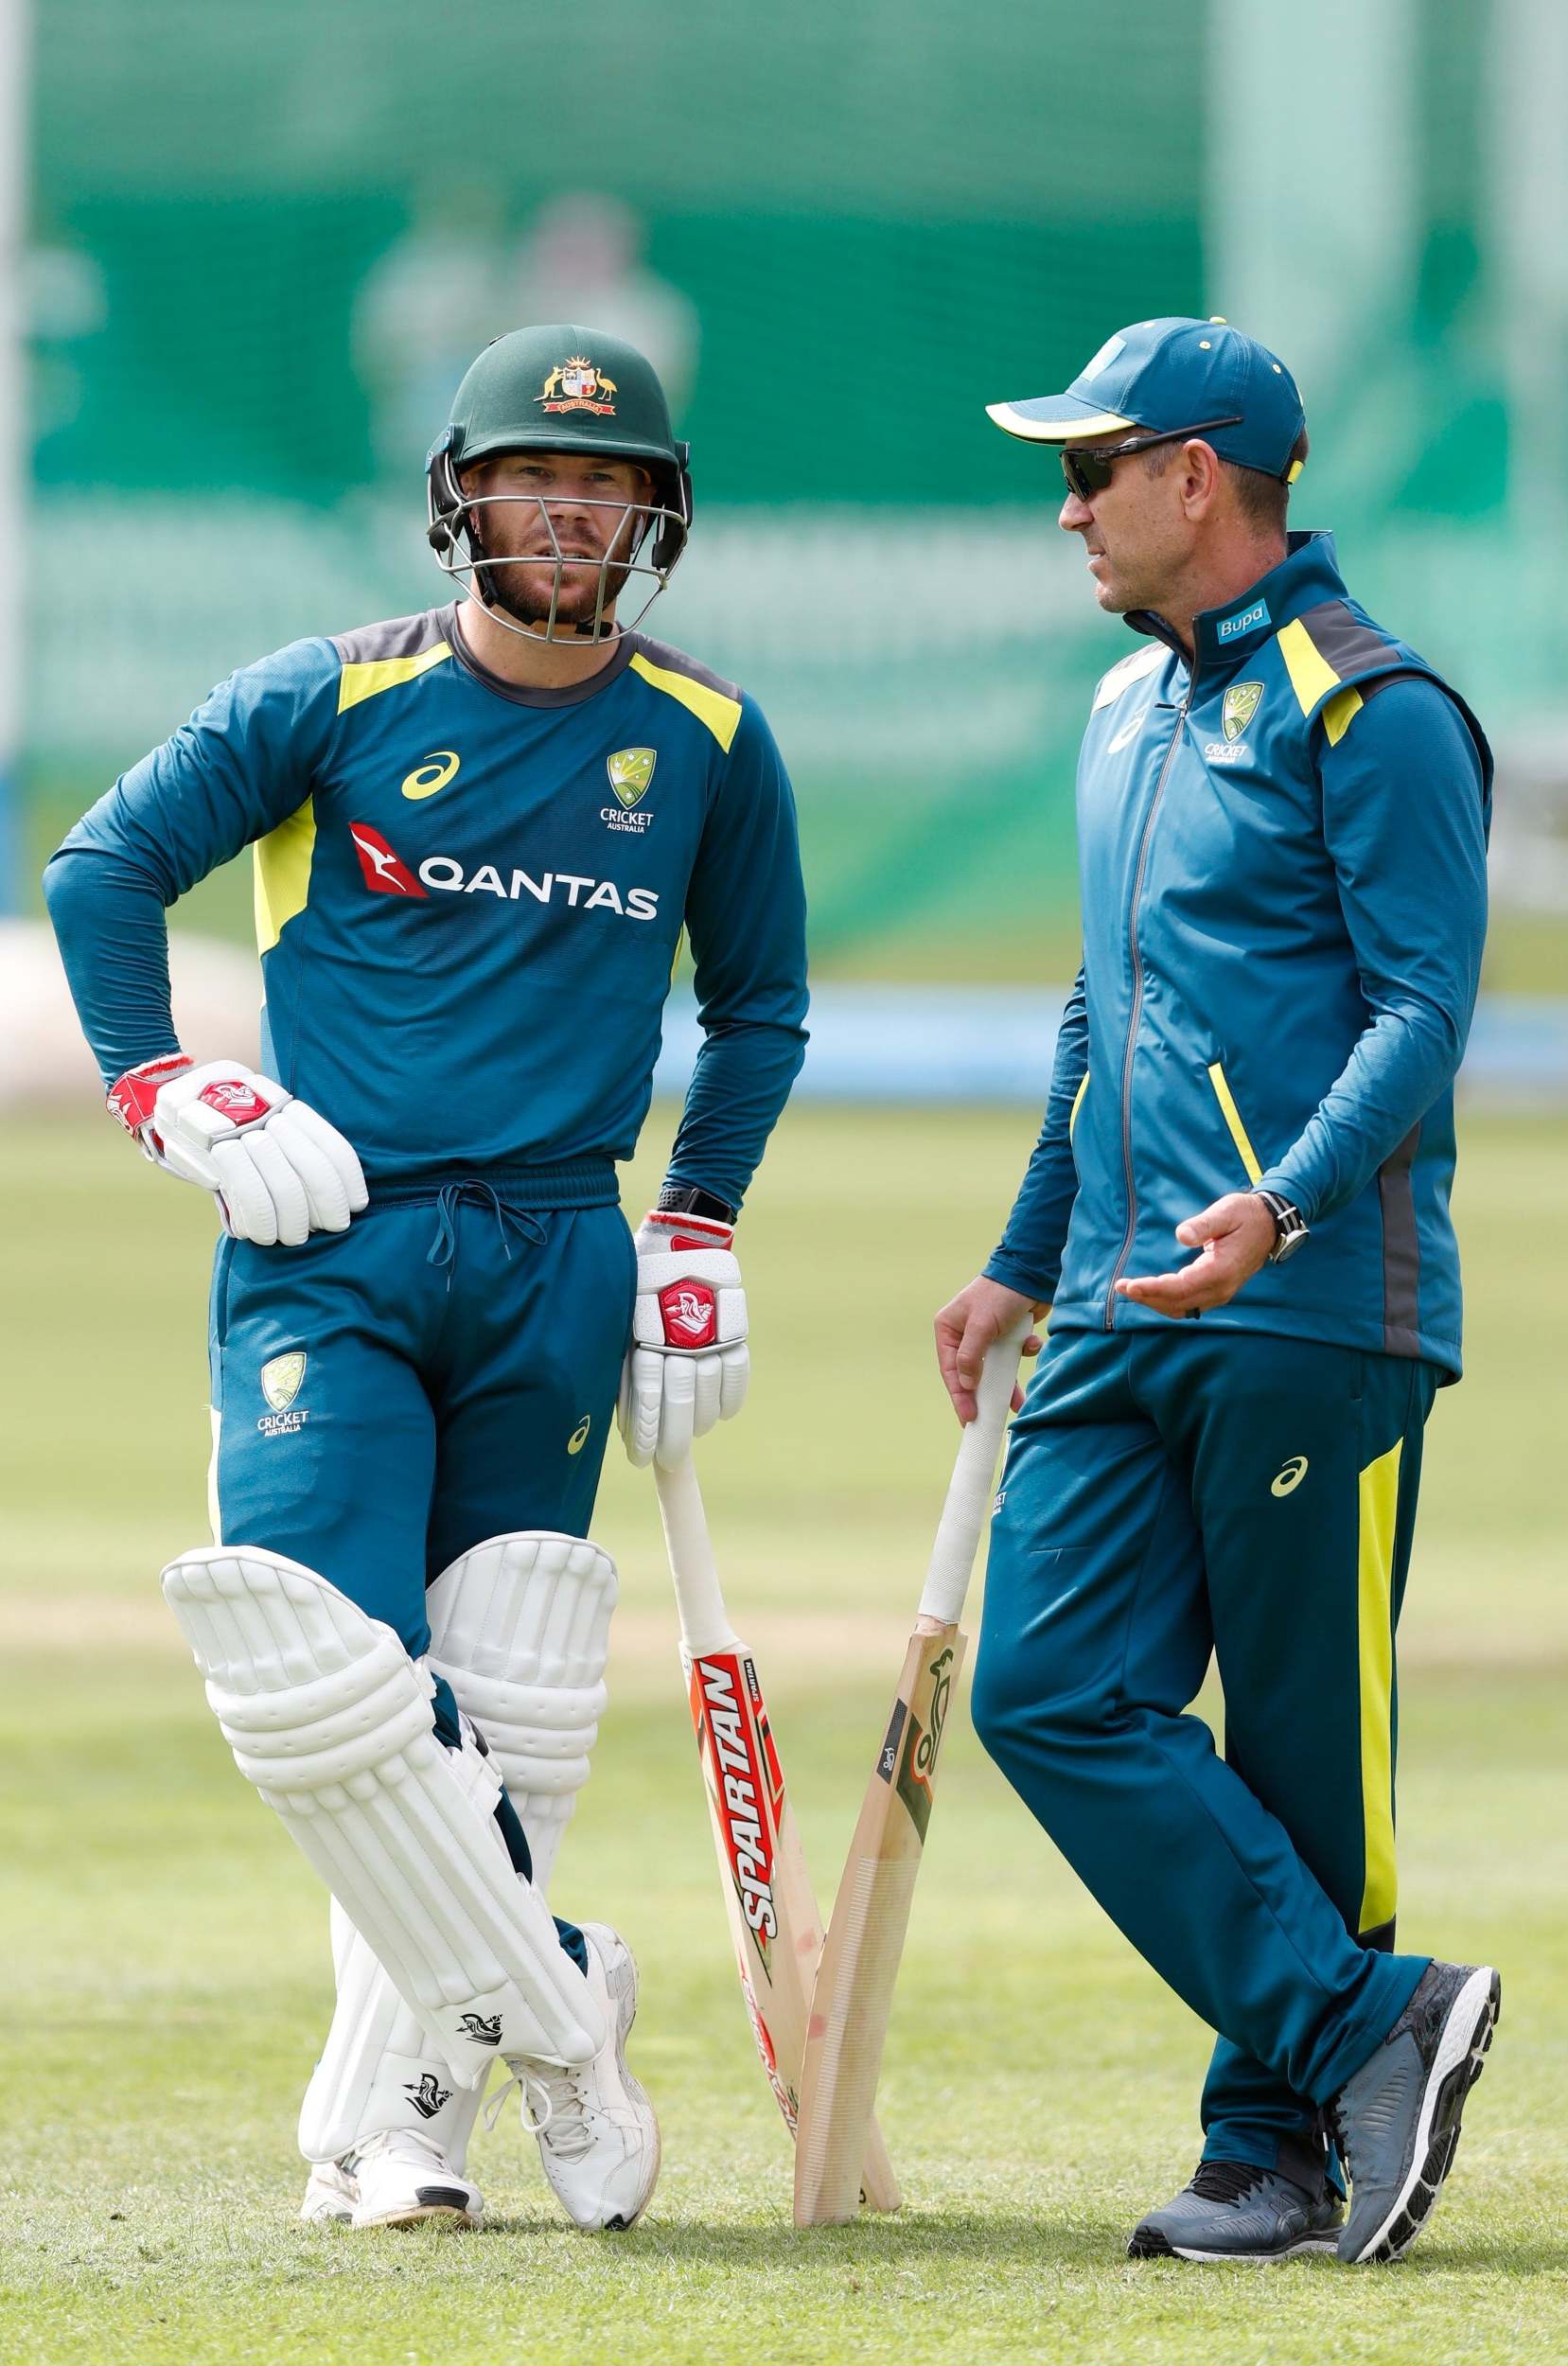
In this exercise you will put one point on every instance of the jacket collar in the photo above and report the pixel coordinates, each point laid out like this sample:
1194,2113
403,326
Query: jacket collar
1305,577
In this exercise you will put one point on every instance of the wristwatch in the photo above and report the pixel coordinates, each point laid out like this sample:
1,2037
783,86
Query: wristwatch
686,1200
1290,1226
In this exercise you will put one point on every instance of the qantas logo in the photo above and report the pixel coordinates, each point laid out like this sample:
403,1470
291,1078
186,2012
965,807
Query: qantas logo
746,1800
385,875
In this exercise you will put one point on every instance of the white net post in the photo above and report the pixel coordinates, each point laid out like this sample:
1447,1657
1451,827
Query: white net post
13,431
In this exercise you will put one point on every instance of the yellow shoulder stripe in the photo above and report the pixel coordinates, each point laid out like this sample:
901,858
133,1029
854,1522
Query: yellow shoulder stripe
1077,1103
1312,676
282,862
1338,713
721,713
1127,671
358,682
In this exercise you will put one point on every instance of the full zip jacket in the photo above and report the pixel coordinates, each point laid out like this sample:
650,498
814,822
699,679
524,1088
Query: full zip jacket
1282,869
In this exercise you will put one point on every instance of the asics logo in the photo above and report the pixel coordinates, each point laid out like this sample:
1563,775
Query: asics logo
578,1439
433,775
1128,730
1288,1479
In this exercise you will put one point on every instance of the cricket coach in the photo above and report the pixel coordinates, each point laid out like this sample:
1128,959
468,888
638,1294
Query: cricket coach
1282,815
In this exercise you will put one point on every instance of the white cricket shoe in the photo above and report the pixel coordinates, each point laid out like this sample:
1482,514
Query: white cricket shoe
598,2136
398,2179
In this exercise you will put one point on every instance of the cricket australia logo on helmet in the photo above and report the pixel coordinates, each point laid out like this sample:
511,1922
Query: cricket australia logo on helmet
576,385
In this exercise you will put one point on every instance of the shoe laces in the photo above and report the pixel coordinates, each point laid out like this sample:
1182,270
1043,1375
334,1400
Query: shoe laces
1226,2181
550,2099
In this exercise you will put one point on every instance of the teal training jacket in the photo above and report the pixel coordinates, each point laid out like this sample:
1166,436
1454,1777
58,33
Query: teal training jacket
1283,866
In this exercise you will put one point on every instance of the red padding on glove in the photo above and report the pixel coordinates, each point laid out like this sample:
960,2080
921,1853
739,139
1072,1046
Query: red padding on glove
690,1315
130,1096
234,1100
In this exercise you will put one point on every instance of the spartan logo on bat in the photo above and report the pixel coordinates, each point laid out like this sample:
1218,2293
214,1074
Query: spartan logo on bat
748,1804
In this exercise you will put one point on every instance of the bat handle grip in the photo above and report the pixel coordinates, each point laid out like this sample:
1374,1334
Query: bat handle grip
969,1490
704,1622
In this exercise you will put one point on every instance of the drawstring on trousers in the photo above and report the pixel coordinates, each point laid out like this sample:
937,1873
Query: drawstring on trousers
443,1249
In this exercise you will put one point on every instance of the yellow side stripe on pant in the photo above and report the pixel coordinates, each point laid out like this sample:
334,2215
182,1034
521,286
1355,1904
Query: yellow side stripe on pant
1379,1499
1232,1116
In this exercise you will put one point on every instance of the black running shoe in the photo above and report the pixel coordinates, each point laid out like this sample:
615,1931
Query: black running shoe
1234,2210
1397,2121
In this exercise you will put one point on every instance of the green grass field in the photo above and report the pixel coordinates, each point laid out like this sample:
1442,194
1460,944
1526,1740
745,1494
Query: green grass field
167,1976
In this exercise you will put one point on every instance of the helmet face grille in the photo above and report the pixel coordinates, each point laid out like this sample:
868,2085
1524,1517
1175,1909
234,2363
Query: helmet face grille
646,542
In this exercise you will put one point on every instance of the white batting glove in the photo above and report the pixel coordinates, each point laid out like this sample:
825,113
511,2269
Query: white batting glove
276,1169
688,1364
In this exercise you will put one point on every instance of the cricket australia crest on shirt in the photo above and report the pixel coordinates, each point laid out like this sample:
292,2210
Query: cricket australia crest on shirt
1237,710
576,385
1240,706
630,770
282,1377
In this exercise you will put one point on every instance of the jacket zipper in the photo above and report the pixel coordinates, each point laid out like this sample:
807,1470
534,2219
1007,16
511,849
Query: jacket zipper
1137,1012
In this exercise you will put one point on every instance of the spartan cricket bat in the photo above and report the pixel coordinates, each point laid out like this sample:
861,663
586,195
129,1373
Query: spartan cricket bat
774,1923
859,1961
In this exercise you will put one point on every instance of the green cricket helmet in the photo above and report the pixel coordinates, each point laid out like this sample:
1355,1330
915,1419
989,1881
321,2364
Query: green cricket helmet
562,388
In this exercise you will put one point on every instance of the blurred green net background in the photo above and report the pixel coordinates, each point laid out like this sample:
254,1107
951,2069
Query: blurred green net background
266,243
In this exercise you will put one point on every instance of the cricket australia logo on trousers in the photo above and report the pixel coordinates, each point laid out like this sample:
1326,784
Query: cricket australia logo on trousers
282,1377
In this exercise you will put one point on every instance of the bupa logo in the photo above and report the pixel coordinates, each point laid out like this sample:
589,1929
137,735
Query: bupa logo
1250,620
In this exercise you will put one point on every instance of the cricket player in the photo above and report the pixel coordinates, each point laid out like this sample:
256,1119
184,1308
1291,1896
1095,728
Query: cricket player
479,833
1282,817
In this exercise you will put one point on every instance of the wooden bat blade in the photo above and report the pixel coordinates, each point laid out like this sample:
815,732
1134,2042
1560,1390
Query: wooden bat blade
774,1925
852,1997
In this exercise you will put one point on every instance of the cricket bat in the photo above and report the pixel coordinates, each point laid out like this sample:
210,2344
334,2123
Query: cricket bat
774,1924
859,1961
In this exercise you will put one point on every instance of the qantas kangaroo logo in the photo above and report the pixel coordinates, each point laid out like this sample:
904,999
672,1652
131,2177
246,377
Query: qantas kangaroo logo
384,872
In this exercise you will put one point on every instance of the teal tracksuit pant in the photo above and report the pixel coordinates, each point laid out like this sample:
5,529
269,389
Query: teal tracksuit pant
1167,1499
445,1371
386,1397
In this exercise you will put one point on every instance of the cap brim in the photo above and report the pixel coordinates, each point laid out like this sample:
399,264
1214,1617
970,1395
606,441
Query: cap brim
1056,419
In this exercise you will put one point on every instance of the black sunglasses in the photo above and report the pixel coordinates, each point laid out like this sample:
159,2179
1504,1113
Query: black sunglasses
1089,472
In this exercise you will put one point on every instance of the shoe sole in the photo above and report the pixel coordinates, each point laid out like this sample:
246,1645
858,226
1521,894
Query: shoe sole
619,2223
1160,2246
437,2206
1458,2063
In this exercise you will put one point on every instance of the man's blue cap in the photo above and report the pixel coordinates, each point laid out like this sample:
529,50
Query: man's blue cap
1161,377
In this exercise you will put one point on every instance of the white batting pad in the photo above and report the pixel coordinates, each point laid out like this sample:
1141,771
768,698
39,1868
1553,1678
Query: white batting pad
330,1719
520,1628
378,2069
